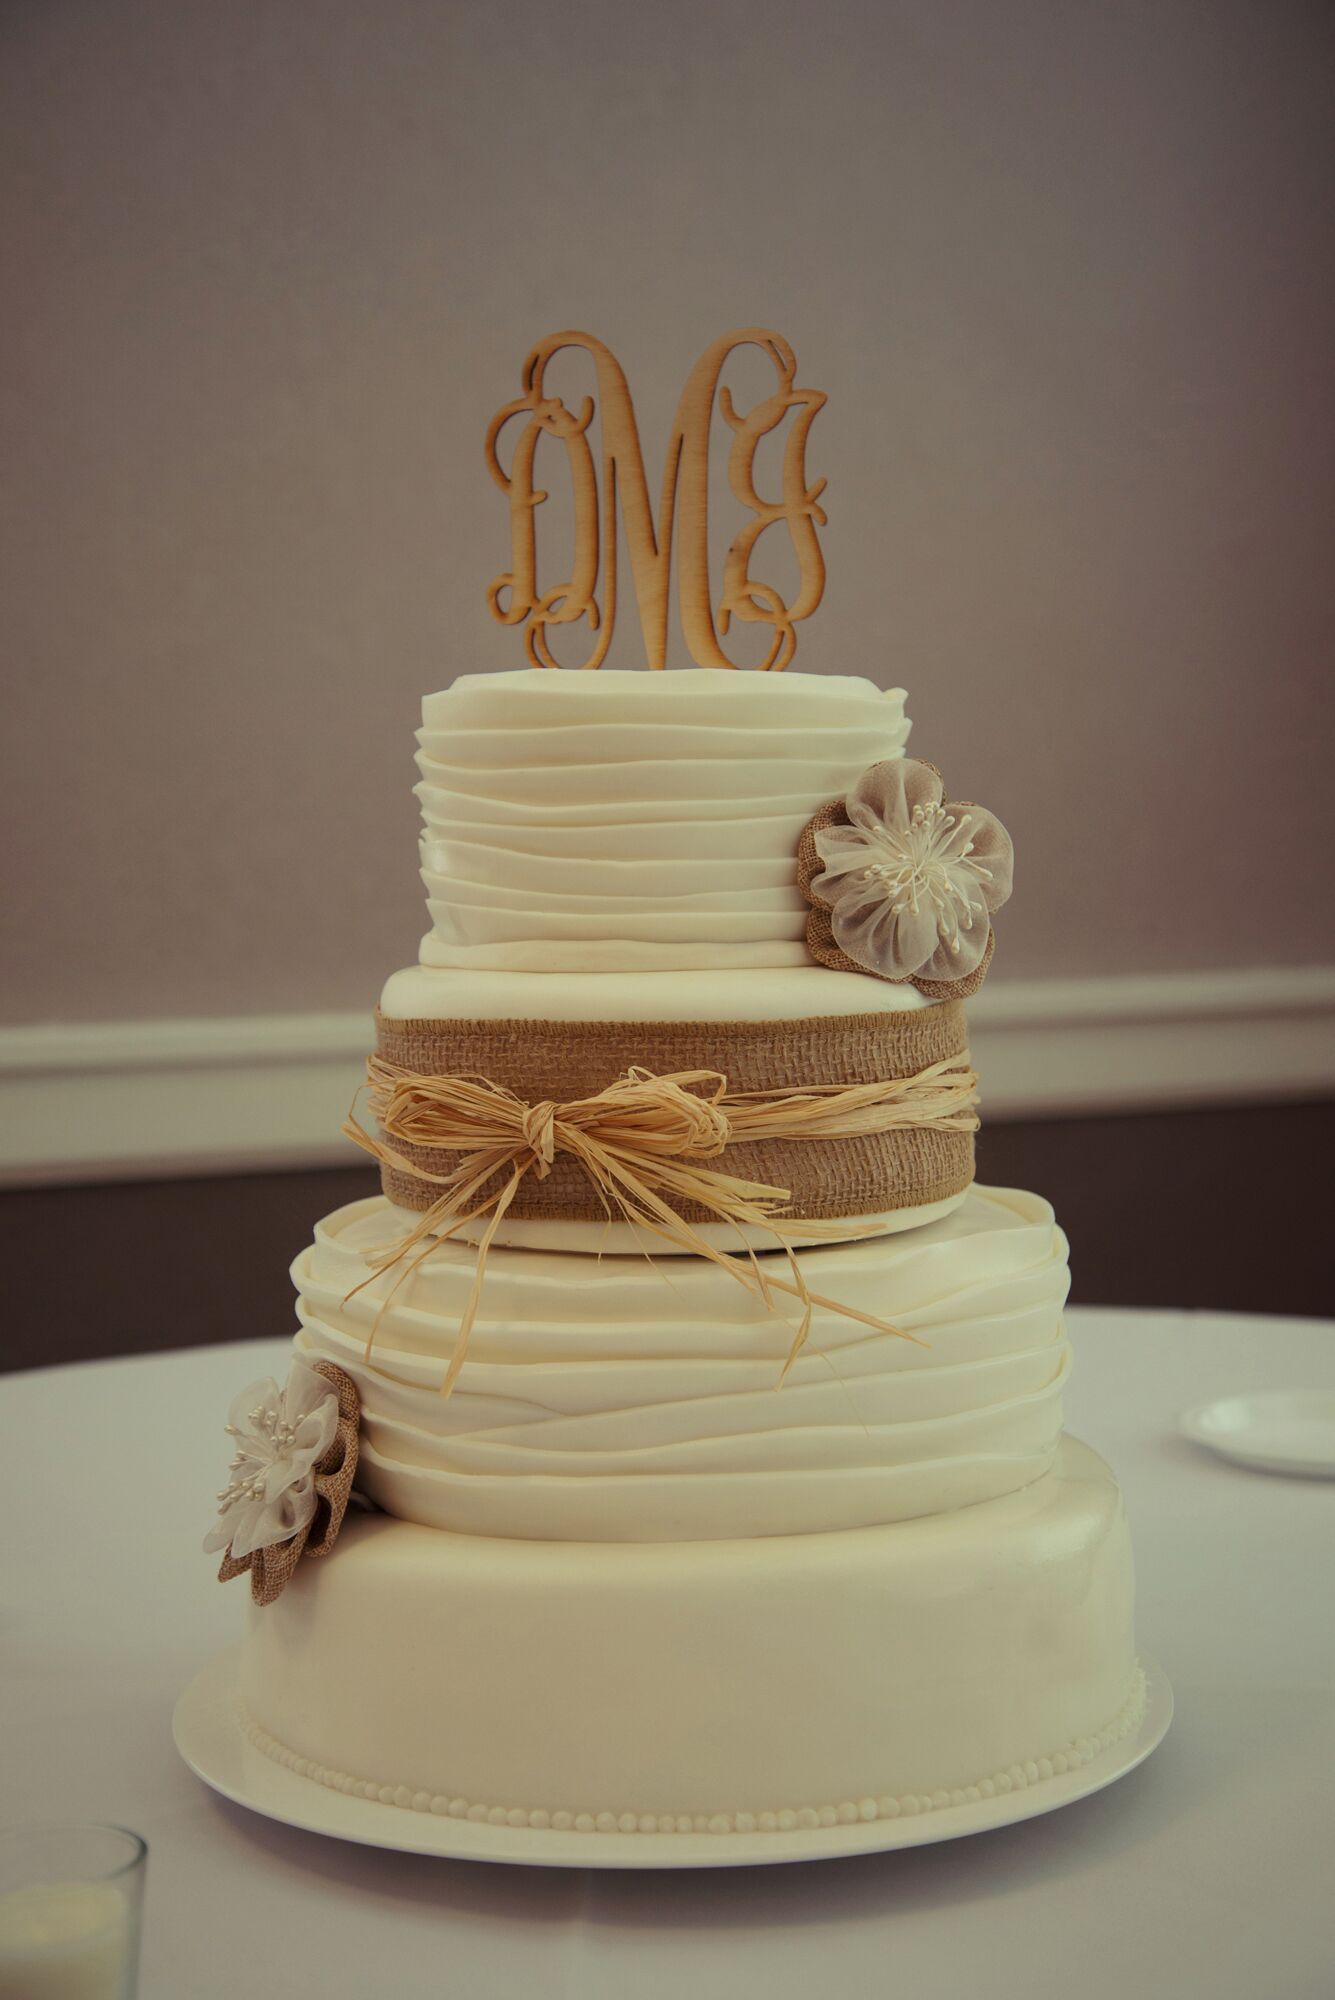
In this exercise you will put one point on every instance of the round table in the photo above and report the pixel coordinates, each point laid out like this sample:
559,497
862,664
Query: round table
1207,1871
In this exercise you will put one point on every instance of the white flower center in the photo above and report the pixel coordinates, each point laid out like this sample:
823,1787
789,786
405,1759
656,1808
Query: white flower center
930,865
265,1443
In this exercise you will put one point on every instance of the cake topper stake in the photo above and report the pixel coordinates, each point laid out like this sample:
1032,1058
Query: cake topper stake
684,498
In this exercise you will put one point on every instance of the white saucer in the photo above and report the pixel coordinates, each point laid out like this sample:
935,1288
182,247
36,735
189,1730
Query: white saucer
1281,1430
210,1738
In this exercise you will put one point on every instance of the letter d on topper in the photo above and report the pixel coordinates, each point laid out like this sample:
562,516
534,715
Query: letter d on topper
515,597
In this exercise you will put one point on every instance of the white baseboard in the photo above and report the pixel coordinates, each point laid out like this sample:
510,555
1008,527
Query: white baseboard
147,1099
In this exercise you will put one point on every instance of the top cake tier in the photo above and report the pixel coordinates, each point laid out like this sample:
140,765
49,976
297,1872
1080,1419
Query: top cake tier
622,822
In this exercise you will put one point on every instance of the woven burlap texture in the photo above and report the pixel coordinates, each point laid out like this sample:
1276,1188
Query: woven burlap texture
271,1569
564,1060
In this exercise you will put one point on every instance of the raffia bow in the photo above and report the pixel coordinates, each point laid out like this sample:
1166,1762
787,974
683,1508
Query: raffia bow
640,1142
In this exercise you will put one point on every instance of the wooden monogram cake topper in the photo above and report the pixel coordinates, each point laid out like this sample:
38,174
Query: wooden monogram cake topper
516,597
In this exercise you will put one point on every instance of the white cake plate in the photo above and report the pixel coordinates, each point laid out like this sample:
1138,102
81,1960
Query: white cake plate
209,1736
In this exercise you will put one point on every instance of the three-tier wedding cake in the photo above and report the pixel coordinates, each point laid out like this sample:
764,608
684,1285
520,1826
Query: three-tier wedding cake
680,1430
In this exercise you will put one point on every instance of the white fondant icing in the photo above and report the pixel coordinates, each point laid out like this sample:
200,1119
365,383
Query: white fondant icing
696,1680
635,1400
847,1813
625,1581
792,993
647,823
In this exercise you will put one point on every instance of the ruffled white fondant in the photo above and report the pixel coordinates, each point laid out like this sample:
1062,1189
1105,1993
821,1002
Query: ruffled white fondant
627,1400
633,820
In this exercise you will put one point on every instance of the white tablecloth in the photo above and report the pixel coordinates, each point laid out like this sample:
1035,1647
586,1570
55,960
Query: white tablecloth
1208,1872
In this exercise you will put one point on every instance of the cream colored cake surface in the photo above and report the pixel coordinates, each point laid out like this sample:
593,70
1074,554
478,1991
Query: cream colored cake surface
633,1399
624,1577
577,830
616,822
769,993
769,1676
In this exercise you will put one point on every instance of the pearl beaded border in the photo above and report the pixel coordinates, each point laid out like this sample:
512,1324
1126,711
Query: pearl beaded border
791,1819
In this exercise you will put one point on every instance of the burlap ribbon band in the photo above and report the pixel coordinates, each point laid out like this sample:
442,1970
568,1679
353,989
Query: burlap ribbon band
557,1062
475,1118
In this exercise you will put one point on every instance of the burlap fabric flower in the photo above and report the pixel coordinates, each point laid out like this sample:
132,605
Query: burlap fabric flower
291,1475
903,884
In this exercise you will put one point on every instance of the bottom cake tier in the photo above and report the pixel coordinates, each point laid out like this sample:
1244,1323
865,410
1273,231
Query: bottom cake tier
708,1686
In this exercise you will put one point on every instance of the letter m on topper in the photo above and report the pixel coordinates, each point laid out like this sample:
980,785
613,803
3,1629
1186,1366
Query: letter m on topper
515,597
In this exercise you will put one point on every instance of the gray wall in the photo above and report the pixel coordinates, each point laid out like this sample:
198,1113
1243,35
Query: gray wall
1064,269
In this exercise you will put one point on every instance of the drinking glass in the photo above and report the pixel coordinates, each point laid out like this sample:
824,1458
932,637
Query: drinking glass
71,1899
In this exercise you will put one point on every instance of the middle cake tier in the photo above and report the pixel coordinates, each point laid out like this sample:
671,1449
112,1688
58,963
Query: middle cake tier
550,1040
629,1399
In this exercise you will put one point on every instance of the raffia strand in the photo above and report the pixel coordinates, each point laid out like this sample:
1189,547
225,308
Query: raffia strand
641,1143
